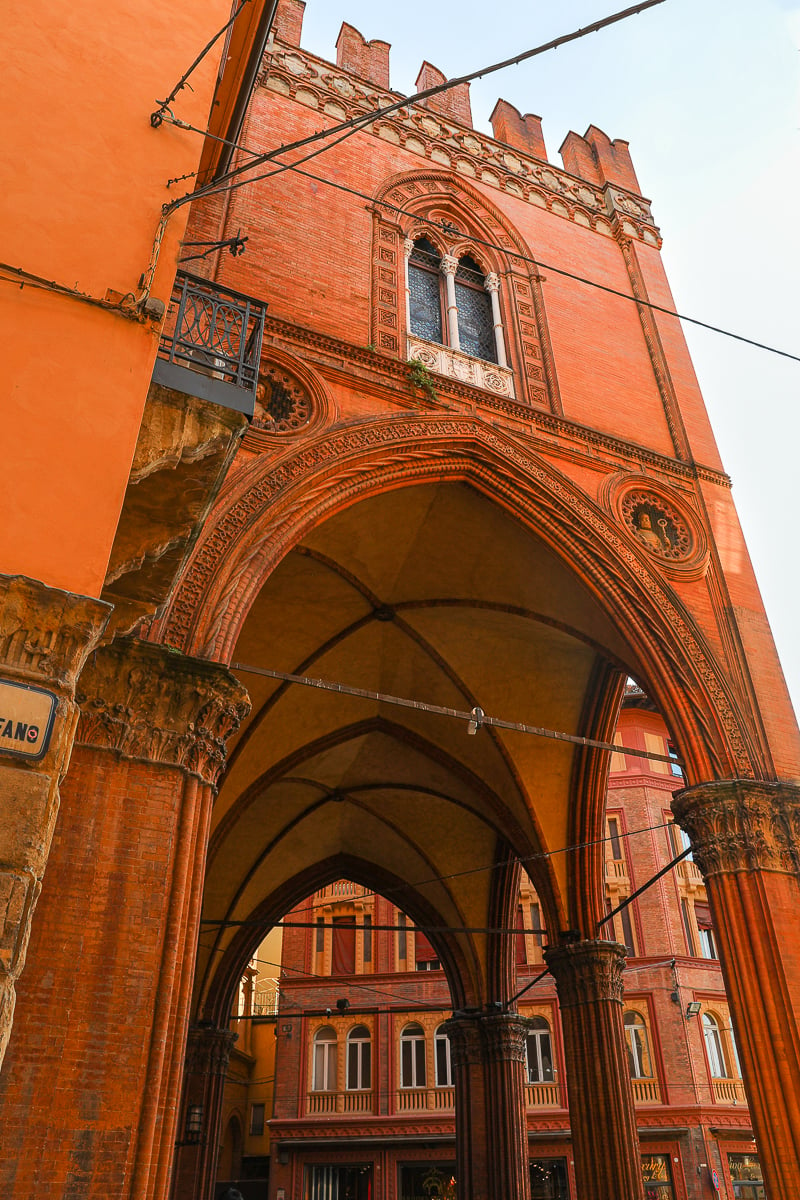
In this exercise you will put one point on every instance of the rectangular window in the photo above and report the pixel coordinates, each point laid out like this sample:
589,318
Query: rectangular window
627,929
367,935
674,766
536,925
521,949
257,1120
402,937
657,1177
343,951
320,945
687,927
616,843
549,1179
708,945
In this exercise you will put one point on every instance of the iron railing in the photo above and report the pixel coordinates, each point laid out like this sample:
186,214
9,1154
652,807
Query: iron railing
211,344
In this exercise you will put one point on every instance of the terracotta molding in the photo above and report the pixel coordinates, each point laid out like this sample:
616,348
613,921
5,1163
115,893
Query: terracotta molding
146,701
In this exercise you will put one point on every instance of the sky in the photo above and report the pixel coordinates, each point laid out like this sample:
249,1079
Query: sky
706,93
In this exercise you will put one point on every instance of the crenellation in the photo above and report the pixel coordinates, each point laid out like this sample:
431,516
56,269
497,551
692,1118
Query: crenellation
454,103
523,133
288,23
367,60
597,159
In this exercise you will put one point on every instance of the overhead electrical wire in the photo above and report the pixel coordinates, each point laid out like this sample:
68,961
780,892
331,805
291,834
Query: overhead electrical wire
521,861
353,124
475,718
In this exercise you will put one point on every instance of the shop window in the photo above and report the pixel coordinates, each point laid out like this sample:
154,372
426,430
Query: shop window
638,1045
256,1120
539,1052
657,1176
359,1059
338,1183
444,1065
745,1173
716,1055
324,1062
549,1179
426,1181
412,1057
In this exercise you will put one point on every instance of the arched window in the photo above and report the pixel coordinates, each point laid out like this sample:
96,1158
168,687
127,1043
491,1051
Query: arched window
324,1074
412,1057
359,1059
539,1052
475,322
452,303
444,1066
638,1048
425,291
716,1056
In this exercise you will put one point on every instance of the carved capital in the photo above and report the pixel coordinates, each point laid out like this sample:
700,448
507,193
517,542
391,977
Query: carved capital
449,264
408,246
46,634
492,282
466,1046
505,1035
208,1050
146,701
742,825
587,971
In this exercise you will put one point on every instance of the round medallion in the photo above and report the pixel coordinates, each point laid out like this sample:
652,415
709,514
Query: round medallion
282,404
657,525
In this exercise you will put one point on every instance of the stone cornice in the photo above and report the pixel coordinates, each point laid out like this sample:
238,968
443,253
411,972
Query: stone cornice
742,825
145,701
337,355
324,87
46,634
587,972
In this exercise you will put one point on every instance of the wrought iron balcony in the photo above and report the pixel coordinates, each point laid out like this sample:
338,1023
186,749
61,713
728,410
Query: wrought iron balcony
211,344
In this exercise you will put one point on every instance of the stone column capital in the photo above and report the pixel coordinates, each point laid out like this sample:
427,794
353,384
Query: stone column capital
492,282
408,247
504,1035
147,701
466,1045
587,971
46,634
208,1050
449,264
742,825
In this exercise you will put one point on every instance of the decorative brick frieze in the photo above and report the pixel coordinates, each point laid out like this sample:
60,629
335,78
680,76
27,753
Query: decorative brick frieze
145,701
742,825
310,81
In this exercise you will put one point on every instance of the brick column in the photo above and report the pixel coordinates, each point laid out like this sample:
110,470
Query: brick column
208,1053
588,977
45,638
488,1053
746,841
103,1005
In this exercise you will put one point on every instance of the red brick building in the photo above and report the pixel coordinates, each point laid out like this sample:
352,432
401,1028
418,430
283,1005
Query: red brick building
364,1098
479,492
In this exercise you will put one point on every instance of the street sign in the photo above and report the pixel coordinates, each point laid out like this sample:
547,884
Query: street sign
26,719
715,1178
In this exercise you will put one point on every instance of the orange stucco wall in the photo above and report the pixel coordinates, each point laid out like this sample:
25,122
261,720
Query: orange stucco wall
82,210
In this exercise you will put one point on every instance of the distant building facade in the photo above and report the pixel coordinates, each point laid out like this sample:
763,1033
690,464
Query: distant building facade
364,1096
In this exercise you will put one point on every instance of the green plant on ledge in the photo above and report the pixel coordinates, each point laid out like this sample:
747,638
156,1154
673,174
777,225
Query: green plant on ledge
421,378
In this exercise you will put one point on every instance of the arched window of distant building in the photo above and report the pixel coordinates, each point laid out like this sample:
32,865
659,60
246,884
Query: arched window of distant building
359,1058
444,1066
453,303
716,1055
539,1052
638,1046
412,1057
324,1073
